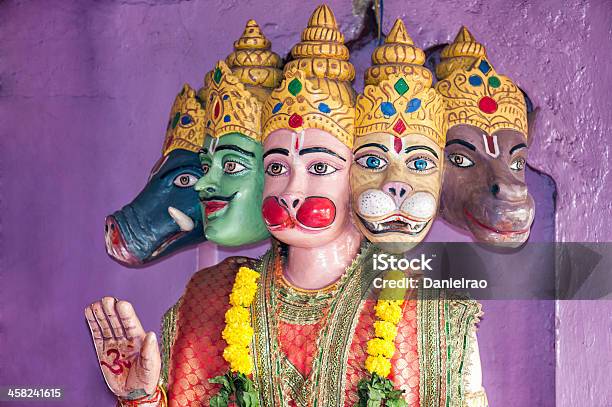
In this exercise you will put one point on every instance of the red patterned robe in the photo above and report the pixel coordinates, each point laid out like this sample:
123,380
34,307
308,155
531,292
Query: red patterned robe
309,348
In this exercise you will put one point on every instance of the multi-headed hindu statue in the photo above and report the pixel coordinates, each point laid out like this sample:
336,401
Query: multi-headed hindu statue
334,178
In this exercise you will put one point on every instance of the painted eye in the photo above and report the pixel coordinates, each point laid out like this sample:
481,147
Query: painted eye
421,164
205,168
185,180
518,164
321,169
276,169
232,167
459,160
372,162
186,120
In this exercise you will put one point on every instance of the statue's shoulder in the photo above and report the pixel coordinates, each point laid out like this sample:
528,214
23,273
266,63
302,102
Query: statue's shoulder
221,275
456,308
462,307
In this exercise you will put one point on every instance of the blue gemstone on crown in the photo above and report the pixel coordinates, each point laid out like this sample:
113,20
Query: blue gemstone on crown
186,120
387,108
277,107
225,97
227,118
323,107
413,105
475,80
484,67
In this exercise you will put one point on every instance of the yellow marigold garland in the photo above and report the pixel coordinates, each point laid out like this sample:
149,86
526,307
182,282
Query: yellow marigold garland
381,348
389,312
236,387
238,330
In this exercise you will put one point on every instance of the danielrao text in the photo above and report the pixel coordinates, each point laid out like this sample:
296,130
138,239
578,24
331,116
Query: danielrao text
426,282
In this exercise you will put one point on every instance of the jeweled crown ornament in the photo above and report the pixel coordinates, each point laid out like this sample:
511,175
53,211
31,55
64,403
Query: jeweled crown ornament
316,91
254,63
230,107
460,54
397,56
398,98
186,124
474,93
236,89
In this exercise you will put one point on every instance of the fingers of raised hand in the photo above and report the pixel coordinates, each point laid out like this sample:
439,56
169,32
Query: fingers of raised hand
98,311
94,327
150,362
108,306
129,321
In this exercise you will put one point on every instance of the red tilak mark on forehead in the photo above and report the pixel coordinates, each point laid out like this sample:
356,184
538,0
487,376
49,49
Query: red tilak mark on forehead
397,144
491,144
297,142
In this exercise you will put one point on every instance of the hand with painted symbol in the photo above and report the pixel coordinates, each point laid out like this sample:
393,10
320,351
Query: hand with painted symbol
395,184
129,358
166,215
484,185
230,190
304,201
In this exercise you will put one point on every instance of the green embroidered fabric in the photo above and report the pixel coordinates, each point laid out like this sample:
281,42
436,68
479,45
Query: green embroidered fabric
276,377
444,329
168,330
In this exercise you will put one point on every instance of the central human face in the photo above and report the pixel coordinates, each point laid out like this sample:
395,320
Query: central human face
230,190
484,186
395,184
306,187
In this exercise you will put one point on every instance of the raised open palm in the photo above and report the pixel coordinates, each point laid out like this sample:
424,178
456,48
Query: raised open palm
129,357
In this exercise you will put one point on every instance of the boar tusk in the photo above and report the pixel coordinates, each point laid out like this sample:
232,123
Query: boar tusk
183,221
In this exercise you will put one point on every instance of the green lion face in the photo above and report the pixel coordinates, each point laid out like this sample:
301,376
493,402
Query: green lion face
231,190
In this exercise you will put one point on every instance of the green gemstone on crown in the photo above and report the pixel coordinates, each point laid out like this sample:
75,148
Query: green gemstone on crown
494,82
295,87
217,76
401,86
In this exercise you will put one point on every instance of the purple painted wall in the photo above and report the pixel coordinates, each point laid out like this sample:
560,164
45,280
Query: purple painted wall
85,89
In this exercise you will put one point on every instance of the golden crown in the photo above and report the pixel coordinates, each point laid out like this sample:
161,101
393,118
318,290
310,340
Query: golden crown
234,91
474,93
186,124
316,91
460,54
230,107
254,63
399,98
397,56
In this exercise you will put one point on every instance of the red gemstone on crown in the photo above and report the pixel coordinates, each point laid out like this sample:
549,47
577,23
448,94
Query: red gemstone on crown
487,105
217,110
295,121
399,127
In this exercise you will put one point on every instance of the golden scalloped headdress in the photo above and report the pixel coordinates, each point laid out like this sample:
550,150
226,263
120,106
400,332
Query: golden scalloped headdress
474,93
398,98
186,124
316,91
236,89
